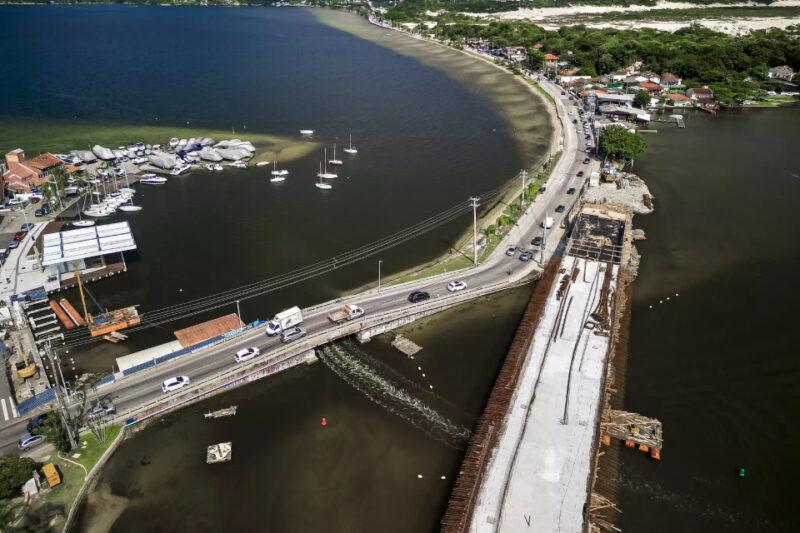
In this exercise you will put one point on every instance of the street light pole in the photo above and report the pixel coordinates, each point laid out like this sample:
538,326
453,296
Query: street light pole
474,203
238,311
523,175
379,274
544,239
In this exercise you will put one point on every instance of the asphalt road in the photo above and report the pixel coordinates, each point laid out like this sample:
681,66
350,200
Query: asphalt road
145,387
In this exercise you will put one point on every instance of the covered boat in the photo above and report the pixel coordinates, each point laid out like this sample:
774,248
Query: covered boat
209,154
103,153
164,161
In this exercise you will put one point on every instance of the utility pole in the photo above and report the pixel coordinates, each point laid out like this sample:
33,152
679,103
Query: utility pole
379,274
474,203
239,311
544,239
523,175
63,412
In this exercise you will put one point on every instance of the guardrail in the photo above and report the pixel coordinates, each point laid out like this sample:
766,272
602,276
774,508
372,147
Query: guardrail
268,363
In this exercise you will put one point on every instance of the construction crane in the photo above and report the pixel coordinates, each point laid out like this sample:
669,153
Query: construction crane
107,323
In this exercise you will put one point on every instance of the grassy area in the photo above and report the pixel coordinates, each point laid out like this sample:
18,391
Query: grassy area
544,93
774,101
74,476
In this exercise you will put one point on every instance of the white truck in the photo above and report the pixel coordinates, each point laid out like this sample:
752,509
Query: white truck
284,320
347,312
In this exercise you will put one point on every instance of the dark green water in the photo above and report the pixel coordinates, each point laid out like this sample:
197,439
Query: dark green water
718,364
425,143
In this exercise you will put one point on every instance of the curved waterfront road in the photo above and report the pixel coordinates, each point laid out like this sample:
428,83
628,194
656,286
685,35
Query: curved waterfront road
145,387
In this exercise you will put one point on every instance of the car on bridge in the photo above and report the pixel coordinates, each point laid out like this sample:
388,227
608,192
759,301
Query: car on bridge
526,256
418,296
28,441
560,209
511,250
292,334
246,354
537,241
26,226
571,190
175,383
586,161
580,173
18,236
455,286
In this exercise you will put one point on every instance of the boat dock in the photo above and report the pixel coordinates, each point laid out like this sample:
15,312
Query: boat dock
406,346
633,429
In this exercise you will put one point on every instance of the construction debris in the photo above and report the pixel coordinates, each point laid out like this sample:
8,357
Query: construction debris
633,429
228,411
405,345
219,453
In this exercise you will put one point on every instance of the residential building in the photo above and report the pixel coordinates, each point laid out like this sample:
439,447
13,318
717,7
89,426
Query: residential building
782,72
669,80
550,61
678,100
654,89
23,173
517,54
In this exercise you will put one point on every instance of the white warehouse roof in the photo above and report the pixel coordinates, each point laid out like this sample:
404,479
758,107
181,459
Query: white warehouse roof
72,245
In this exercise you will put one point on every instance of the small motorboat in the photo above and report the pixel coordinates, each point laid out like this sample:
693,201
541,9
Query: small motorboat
307,133
130,208
152,179
217,167
83,223
277,179
239,164
262,163
173,142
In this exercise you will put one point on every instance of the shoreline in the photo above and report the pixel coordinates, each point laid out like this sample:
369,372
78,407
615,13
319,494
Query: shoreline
494,96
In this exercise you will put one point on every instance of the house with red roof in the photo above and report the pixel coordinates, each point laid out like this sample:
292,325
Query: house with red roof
652,88
22,173
550,61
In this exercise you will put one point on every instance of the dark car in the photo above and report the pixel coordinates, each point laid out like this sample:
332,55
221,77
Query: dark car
526,256
580,173
35,199
562,92
18,236
13,244
571,190
537,241
587,137
42,212
418,296
35,422
587,161
560,209
26,226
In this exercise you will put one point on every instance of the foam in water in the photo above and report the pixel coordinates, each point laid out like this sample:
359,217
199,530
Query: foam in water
391,395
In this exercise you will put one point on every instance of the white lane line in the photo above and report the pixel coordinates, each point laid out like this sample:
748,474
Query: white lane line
13,407
5,411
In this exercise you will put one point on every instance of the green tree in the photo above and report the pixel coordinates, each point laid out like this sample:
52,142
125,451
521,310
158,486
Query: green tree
642,99
14,472
616,142
55,432
535,59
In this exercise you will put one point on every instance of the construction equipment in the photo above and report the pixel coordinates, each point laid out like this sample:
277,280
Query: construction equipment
107,321
26,368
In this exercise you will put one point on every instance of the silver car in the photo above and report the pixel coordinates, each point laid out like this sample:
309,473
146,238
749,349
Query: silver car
28,441
292,334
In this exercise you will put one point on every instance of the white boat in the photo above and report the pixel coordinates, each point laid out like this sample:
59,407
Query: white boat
180,169
83,223
326,175
276,172
173,142
307,132
217,167
129,208
335,161
277,179
209,167
152,179
127,195
351,149
320,185
262,163
239,164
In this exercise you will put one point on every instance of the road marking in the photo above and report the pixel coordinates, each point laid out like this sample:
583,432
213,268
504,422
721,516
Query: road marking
5,411
13,407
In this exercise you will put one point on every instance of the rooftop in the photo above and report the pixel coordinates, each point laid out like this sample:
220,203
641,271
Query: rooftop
76,244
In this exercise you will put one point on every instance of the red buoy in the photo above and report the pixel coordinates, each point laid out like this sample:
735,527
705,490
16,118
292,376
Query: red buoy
324,421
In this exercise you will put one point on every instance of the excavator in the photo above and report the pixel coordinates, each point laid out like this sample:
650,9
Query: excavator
26,368
107,323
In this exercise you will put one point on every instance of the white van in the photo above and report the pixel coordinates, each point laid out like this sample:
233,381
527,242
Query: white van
284,320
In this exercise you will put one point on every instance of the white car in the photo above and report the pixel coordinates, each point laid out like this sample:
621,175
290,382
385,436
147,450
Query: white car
246,354
176,383
455,286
